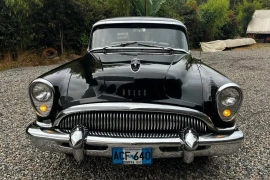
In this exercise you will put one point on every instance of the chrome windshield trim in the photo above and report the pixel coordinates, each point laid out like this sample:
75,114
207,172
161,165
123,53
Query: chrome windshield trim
134,107
152,21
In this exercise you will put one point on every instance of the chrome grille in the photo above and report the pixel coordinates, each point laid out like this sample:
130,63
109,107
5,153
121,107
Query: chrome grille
133,123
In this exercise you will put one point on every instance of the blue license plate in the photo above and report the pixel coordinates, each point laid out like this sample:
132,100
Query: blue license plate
141,156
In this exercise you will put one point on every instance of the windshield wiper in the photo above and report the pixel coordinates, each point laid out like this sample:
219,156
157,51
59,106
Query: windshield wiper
123,44
117,45
152,45
169,49
162,47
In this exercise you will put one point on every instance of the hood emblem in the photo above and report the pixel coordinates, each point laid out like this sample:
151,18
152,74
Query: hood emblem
135,64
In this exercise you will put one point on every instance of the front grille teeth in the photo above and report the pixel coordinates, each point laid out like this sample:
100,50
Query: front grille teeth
133,124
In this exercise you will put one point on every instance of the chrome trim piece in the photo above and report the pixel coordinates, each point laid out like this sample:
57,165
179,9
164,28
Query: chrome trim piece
36,103
144,107
135,62
133,141
141,124
152,21
77,141
77,136
213,150
212,144
229,129
47,133
236,108
56,135
107,48
190,138
40,80
221,138
46,125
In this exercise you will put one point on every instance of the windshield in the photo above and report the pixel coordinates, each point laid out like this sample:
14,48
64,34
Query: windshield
134,36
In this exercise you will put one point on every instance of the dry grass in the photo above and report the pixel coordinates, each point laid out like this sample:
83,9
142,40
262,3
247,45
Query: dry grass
252,47
249,47
31,58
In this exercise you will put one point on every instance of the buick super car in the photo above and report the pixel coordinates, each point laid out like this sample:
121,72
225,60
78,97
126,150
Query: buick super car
137,94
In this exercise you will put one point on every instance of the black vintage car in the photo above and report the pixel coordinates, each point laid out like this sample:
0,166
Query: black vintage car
137,94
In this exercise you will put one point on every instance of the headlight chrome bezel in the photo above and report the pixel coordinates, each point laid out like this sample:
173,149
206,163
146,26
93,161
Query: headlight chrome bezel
36,103
225,92
42,84
233,108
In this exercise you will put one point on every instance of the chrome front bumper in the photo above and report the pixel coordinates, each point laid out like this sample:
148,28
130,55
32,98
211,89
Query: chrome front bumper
49,139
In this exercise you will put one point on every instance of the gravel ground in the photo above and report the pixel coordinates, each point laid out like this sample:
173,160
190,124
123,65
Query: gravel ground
249,68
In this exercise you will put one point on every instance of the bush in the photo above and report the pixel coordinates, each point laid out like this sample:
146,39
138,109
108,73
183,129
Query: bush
245,12
213,15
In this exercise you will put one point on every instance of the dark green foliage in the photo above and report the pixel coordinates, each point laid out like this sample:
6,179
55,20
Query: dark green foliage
228,30
8,29
66,24
213,16
265,3
249,10
57,21
192,22
245,11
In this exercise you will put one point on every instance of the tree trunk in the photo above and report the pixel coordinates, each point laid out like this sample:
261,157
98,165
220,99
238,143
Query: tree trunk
145,10
61,38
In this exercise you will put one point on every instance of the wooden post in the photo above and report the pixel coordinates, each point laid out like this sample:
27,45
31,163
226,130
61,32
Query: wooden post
145,7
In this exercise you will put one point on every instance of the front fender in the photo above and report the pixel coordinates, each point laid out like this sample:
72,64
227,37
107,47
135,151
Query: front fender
212,80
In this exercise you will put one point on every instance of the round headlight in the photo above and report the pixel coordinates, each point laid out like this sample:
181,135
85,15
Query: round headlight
229,97
41,92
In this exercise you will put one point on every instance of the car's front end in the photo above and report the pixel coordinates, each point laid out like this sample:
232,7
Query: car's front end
168,130
136,103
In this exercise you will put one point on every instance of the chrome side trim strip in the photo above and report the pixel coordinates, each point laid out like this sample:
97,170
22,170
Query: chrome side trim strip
134,107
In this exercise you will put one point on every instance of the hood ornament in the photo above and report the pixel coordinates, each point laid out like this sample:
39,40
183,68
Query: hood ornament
135,64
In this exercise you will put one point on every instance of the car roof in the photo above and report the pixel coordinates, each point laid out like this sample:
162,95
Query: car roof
139,19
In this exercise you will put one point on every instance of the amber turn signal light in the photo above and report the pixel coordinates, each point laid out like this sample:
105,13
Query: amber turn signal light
226,113
43,108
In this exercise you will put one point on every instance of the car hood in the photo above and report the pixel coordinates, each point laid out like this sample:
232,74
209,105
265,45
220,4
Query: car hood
157,78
